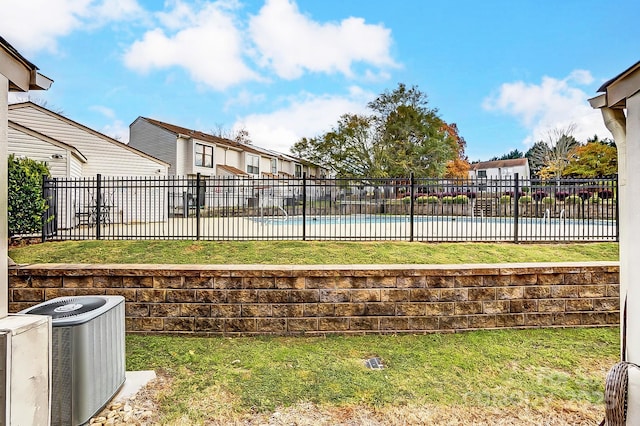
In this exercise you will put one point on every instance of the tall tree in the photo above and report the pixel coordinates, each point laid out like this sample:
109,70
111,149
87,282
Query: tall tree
605,141
400,136
457,168
595,159
350,148
511,155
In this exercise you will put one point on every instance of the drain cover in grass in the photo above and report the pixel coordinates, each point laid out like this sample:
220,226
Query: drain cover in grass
374,363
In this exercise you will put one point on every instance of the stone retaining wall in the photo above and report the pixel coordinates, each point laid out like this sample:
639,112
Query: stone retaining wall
259,299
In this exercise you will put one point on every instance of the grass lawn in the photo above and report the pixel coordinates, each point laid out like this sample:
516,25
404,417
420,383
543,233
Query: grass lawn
537,376
306,252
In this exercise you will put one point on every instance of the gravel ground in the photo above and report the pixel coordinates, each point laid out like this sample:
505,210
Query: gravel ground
141,410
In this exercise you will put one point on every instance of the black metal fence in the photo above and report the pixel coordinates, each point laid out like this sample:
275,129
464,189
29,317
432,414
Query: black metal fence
409,209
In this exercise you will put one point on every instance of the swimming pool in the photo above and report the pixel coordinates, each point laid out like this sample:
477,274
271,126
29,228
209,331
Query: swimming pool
358,219
436,228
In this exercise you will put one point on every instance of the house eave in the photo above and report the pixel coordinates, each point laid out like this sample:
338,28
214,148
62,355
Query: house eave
22,74
618,89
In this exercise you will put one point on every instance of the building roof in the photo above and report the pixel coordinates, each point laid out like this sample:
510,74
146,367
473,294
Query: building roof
514,162
232,170
205,137
618,89
25,76
74,151
622,75
88,130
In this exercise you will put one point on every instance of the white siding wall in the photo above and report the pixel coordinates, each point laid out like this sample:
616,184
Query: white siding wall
503,173
104,157
288,167
181,147
265,165
75,167
219,157
39,150
233,159
155,141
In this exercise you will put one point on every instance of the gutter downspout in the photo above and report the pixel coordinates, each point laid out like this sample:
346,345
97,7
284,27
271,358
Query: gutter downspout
616,123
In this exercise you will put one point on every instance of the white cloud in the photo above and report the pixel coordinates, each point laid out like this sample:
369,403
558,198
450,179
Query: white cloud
116,130
244,98
107,112
34,25
552,104
205,42
291,43
118,10
305,116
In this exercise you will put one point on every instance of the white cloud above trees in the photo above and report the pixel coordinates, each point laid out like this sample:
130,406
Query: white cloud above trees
305,115
551,104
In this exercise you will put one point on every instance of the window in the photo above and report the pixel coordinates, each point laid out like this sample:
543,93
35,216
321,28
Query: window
253,164
482,174
274,166
298,170
204,155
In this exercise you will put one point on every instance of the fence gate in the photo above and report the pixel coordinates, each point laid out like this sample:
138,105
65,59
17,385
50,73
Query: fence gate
50,215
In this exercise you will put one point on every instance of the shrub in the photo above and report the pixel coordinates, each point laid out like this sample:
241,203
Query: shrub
548,201
605,194
573,199
595,199
584,194
561,195
25,201
525,199
539,195
512,194
427,199
447,199
461,199
505,199
406,199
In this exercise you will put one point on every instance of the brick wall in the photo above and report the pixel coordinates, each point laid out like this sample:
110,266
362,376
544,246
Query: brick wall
257,299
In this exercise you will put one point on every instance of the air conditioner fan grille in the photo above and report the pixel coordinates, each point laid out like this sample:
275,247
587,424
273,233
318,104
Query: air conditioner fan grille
68,307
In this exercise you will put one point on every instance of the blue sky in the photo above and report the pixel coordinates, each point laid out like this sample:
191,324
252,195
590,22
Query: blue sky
506,72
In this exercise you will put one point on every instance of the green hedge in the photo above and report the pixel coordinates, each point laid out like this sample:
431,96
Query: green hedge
25,201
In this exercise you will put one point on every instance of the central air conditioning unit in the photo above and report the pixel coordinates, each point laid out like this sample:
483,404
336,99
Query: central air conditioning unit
88,354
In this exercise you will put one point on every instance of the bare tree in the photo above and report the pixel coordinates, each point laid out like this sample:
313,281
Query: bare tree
241,135
549,157
27,97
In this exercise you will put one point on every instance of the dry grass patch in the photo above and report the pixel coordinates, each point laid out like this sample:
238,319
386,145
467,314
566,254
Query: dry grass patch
502,377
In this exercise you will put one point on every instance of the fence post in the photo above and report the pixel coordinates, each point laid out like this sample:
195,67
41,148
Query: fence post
198,207
516,206
304,206
98,205
45,214
411,205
